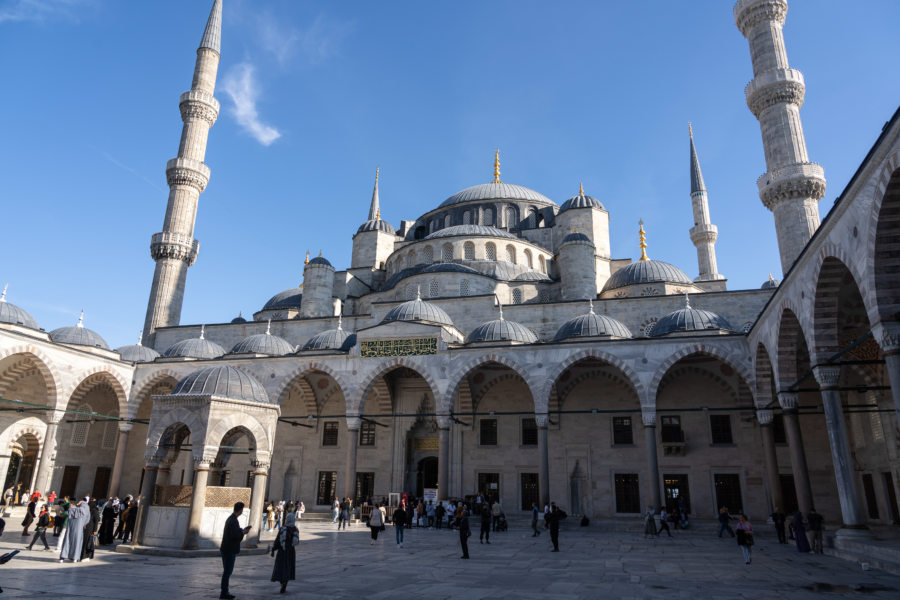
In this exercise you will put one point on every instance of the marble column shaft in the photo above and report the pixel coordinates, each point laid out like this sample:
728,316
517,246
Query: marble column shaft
788,401
257,499
542,421
652,462
443,457
48,452
771,457
147,490
121,447
198,503
353,425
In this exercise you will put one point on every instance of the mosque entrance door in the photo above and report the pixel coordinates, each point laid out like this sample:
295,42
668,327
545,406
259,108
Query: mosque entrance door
427,475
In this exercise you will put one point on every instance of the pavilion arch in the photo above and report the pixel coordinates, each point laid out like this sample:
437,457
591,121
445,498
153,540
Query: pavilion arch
790,335
91,377
141,390
305,392
248,425
457,377
765,377
630,375
356,402
701,349
308,367
882,261
178,416
36,358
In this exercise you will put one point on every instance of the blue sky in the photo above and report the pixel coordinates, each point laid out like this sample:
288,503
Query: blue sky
570,91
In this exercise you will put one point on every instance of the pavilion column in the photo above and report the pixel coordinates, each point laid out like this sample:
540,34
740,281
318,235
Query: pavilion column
890,347
257,498
765,418
48,456
198,503
443,422
848,493
543,420
788,402
164,471
353,425
649,419
146,500
121,446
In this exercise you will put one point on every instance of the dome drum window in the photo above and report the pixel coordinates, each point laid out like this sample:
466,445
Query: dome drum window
464,287
447,253
517,296
434,288
490,251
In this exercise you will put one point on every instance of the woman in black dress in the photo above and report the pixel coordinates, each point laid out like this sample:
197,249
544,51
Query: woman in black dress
283,550
90,530
108,524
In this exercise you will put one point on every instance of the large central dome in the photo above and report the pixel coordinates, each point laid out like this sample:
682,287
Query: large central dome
496,191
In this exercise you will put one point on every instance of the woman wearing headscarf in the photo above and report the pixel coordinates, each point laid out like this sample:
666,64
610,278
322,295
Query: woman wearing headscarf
108,524
90,530
283,550
799,526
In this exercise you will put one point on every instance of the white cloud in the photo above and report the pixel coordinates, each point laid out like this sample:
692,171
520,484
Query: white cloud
241,86
316,42
42,10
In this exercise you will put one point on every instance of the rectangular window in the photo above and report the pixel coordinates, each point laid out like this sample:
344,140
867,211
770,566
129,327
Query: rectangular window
367,434
80,431
678,493
671,430
365,487
529,433
871,502
330,433
628,493
720,428
488,432
778,430
489,484
529,490
728,492
326,488
622,430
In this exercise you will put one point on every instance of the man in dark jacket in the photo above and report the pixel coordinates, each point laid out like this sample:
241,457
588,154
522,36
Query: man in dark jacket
815,521
778,518
399,520
485,535
231,546
553,518
464,531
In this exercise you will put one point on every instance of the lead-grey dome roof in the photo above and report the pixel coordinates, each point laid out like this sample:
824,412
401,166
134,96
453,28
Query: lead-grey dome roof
592,325
376,225
448,267
581,201
283,300
501,330
137,353
238,319
10,313
418,310
470,230
497,191
263,343
770,284
646,271
78,335
689,319
320,261
222,380
199,347
331,339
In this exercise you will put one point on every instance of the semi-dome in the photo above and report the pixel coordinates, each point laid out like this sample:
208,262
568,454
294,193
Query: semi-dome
320,261
138,353
496,191
689,319
646,271
418,310
263,343
199,347
592,325
284,300
582,200
78,335
10,313
377,225
470,230
578,238
501,330
331,339
222,380
770,284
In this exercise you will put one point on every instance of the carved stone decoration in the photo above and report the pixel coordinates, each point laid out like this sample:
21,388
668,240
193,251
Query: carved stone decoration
353,423
788,400
765,416
748,13
829,377
648,416
443,421
542,420
777,92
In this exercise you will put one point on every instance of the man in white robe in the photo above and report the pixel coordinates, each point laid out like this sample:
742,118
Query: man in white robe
73,537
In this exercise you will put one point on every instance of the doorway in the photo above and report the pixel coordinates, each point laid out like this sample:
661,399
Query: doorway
678,493
788,494
69,480
101,482
426,475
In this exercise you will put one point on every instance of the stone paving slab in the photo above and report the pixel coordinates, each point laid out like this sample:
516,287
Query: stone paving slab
592,564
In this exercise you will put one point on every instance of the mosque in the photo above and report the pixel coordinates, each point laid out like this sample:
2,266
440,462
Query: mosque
494,344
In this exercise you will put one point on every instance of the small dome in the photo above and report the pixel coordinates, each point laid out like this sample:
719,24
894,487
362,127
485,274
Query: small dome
263,343
497,191
137,353
646,271
238,319
581,201
331,339
10,313
285,300
320,261
376,225
501,330
770,284
578,238
418,310
222,380
78,335
689,319
199,347
470,230
592,325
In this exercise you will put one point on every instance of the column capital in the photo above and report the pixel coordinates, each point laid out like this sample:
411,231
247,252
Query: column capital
542,420
54,417
125,426
888,337
788,400
828,376
202,464
353,422
648,417
765,416
443,421
260,467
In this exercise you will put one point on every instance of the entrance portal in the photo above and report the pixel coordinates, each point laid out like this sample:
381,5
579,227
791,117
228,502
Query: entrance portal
427,475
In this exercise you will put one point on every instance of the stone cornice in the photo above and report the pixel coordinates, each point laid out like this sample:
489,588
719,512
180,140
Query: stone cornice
749,13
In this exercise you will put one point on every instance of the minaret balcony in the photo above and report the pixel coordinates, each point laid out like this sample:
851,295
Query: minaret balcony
799,180
189,172
174,245
775,86
199,104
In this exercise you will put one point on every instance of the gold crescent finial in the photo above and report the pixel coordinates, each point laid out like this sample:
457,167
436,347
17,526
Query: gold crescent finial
378,215
496,166
642,236
690,130
581,189
320,254
306,260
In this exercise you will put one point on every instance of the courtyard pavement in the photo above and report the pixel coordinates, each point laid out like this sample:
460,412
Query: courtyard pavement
592,563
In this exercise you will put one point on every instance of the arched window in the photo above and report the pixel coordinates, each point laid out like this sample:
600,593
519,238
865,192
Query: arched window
517,296
411,258
545,295
429,255
489,216
490,251
512,220
447,253
110,434
81,427
543,264
529,261
434,288
447,221
467,218
431,227
532,217
469,251
511,254
410,292
398,265
464,287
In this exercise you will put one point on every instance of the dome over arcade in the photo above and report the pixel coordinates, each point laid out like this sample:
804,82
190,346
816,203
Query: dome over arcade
12,314
331,339
222,380
646,271
418,310
238,319
689,319
200,348
582,200
284,300
138,353
78,335
592,325
501,330
263,343
377,225
770,284
470,231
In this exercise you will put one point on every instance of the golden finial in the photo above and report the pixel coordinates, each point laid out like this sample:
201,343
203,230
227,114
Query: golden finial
378,215
306,261
580,190
690,130
770,276
642,235
320,254
496,166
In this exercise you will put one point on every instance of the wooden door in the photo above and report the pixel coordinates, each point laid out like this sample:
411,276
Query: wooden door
101,482
69,481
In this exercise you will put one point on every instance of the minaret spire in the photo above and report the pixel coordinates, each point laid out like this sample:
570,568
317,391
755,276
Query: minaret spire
374,208
642,244
703,233
174,248
496,166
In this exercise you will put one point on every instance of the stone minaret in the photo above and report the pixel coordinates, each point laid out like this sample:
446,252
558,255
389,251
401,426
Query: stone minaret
792,186
174,249
703,233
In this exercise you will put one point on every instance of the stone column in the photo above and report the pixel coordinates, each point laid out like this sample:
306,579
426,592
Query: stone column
164,471
768,437
353,425
48,455
121,446
198,503
788,402
257,499
848,493
443,422
146,500
890,346
542,420
649,419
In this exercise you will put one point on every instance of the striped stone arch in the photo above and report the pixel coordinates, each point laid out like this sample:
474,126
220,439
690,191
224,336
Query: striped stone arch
45,367
356,401
616,379
884,218
630,375
95,375
764,380
306,394
785,349
831,266
476,400
27,426
676,372
473,363
141,390
728,358
176,416
381,395
218,430
307,367
329,394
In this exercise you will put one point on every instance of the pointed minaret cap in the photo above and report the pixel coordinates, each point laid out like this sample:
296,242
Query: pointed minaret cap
642,236
212,36
697,184
496,166
6,285
80,319
375,208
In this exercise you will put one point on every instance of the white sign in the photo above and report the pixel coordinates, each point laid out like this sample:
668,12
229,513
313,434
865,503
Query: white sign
430,495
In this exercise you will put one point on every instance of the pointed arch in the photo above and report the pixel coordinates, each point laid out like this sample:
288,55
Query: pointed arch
788,337
246,422
765,376
179,416
45,366
553,375
285,383
28,426
356,402
882,262
457,376
726,357
832,276
140,390
101,374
